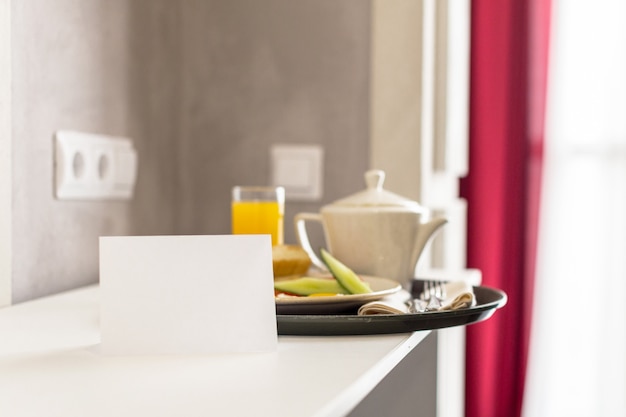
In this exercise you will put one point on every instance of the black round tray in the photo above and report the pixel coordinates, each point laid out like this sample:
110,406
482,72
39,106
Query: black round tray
488,300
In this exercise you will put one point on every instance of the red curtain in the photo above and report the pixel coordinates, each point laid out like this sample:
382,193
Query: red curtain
509,41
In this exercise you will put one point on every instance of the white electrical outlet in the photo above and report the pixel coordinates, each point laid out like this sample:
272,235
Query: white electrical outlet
93,167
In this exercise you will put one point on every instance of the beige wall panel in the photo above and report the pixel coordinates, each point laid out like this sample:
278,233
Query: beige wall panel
396,98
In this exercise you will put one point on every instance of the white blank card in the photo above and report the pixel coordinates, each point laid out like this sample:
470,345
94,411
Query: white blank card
187,294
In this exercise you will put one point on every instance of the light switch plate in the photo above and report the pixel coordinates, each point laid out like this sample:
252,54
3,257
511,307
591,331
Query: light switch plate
299,169
93,167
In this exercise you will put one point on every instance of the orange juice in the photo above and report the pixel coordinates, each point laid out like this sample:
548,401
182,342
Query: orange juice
258,217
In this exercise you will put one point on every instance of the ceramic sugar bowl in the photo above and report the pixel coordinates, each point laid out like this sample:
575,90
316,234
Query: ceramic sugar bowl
374,232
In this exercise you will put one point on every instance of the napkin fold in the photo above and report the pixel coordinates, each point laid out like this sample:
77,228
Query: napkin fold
459,295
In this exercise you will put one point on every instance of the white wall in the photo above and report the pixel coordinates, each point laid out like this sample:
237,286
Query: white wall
203,87
5,152
70,62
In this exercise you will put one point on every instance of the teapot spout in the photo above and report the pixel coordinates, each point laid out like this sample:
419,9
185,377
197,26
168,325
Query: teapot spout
426,231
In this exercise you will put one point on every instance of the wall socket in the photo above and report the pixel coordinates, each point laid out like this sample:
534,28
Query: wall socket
93,167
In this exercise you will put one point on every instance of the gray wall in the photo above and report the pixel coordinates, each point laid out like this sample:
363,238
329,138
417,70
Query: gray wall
203,87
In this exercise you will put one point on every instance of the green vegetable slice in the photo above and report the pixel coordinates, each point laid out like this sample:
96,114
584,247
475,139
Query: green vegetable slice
310,285
344,275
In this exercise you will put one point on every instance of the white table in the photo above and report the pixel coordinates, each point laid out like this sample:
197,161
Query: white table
50,365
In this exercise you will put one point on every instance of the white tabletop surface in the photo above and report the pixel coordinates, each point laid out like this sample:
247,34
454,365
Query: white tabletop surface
50,365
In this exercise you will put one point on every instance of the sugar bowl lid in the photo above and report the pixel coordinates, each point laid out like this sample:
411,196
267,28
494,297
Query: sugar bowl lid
375,196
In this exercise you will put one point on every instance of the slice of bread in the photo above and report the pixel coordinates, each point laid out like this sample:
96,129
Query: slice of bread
289,260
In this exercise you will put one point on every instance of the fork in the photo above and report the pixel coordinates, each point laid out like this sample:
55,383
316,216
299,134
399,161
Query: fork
431,298
434,293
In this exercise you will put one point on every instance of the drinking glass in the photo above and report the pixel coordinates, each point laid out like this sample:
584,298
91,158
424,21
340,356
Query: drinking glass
258,210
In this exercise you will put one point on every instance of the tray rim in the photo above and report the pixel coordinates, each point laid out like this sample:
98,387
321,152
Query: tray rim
352,324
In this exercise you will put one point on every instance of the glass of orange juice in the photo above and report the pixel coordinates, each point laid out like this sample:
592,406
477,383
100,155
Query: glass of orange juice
258,210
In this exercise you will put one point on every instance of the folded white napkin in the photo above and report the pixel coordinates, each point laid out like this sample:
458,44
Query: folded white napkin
459,295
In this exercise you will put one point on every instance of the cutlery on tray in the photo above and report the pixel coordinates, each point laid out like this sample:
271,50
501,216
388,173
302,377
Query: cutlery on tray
437,296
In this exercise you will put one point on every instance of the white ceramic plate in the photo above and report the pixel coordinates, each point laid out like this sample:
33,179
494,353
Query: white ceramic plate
333,304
